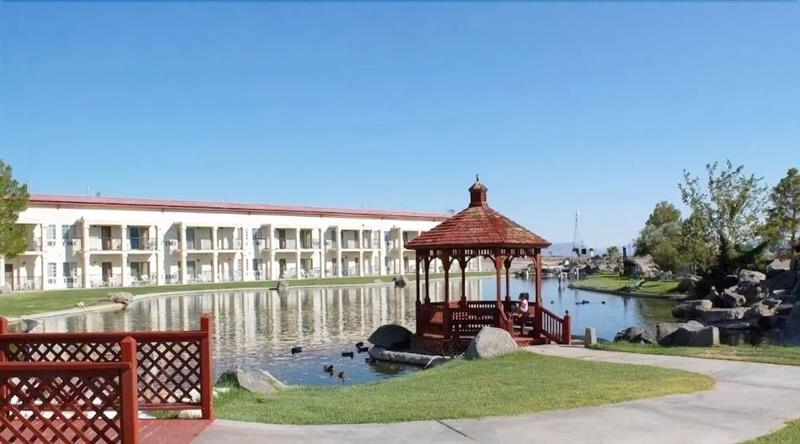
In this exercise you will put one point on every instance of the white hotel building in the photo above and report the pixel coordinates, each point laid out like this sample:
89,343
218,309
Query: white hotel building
114,242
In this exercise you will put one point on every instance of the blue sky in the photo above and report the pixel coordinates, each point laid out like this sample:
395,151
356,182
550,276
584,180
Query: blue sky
560,107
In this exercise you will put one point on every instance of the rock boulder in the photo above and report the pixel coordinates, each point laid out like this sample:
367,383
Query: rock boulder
714,315
391,337
689,284
490,342
5,289
731,298
695,334
121,298
791,334
256,381
399,281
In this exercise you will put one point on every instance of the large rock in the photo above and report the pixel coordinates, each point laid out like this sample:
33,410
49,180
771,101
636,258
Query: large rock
778,266
381,354
781,281
400,281
256,381
791,334
689,284
729,281
694,334
750,285
665,330
391,337
490,342
714,315
688,309
121,298
767,307
730,298
5,289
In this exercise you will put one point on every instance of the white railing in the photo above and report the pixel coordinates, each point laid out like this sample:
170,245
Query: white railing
100,281
141,243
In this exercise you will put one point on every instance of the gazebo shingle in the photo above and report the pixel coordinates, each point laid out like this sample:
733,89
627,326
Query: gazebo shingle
478,226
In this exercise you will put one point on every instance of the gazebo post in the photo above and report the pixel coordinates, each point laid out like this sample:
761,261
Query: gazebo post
427,280
463,264
416,259
537,256
445,258
498,266
507,263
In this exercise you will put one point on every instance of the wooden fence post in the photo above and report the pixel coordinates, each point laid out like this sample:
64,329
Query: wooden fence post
129,402
566,330
3,387
207,367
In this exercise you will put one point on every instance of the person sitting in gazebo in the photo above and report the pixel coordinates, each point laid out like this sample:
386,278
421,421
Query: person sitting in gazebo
522,314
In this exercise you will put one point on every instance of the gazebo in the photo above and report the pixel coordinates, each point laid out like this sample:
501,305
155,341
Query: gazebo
478,231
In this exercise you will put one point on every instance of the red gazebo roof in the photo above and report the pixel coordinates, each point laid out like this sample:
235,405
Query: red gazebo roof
477,226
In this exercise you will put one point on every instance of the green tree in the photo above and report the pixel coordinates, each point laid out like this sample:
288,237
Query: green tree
612,253
726,212
13,237
783,216
661,237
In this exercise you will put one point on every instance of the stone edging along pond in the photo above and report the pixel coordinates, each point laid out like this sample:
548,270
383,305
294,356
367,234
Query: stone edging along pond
108,306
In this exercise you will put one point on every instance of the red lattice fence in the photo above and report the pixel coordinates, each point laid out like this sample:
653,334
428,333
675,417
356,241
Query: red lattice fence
68,402
88,387
175,369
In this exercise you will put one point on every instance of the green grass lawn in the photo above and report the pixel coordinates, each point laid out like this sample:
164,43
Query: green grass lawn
519,383
27,303
769,354
790,434
610,282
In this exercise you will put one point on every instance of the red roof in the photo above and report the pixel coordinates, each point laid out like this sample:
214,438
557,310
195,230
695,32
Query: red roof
183,205
478,226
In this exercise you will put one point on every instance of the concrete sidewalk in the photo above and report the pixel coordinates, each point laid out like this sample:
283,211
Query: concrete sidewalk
748,400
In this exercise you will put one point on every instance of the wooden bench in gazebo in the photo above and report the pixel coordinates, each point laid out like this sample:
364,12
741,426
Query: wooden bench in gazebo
481,232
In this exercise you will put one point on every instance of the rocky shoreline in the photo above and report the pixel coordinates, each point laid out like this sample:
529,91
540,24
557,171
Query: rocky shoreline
748,304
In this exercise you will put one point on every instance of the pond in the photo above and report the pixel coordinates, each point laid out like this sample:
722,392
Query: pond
257,329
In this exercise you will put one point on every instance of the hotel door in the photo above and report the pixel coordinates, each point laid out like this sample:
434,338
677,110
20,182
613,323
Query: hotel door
9,273
105,237
107,273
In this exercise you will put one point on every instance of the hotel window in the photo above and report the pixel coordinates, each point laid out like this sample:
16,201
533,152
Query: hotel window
51,269
68,232
51,232
258,264
70,269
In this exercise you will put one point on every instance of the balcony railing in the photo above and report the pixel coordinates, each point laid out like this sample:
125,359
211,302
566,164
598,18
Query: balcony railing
105,244
229,244
143,280
351,244
141,243
72,244
287,244
205,276
330,244
260,244
72,281
22,283
199,244
100,281
229,277
34,245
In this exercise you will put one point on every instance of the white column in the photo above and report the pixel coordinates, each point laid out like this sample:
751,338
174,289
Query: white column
271,245
361,263
214,255
381,254
244,270
480,263
160,252
126,272
401,251
85,245
297,257
338,251
322,253
123,235
183,253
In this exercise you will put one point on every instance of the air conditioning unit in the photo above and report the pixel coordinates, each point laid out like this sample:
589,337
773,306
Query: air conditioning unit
51,243
51,281
69,242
